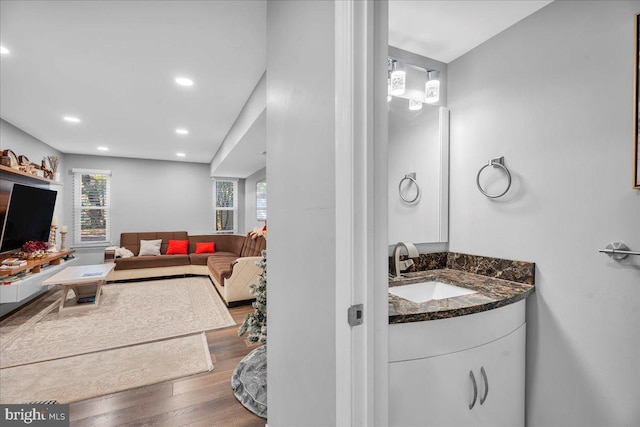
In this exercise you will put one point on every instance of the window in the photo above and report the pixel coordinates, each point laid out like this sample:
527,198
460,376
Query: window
225,206
92,206
261,201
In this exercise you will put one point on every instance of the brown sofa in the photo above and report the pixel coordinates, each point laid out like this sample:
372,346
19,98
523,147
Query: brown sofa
231,267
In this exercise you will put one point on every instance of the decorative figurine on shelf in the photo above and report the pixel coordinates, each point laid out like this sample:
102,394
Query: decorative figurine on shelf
53,166
52,236
63,238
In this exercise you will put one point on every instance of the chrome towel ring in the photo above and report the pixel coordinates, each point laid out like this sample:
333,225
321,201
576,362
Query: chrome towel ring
496,163
411,177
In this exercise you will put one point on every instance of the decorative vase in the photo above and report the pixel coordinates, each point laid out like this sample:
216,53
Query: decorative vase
56,177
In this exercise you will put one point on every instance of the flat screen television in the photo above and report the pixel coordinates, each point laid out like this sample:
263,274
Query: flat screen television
28,216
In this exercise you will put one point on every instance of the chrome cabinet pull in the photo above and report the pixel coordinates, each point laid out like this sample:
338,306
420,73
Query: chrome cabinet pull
486,385
475,390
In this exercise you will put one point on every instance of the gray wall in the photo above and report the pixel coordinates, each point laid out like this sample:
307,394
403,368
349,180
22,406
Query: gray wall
554,95
22,143
250,182
301,177
148,195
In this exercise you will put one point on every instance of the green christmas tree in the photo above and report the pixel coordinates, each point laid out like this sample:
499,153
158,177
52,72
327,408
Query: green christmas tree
256,322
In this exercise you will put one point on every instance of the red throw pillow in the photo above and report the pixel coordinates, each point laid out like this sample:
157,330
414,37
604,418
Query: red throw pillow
177,247
205,247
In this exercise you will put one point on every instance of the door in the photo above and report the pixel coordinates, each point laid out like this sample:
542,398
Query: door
435,391
504,368
361,206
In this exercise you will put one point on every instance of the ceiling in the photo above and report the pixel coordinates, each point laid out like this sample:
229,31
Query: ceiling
113,64
445,30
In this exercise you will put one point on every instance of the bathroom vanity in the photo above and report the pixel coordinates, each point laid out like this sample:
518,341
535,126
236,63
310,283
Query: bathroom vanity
458,361
457,330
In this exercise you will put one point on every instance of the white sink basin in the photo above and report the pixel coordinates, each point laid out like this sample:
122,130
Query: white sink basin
427,291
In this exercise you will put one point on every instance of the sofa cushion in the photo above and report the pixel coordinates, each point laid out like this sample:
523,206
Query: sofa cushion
150,247
177,247
151,261
224,255
199,259
205,247
253,246
224,242
131,241
220,267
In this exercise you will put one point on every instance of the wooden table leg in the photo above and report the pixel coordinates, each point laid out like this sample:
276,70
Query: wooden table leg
80,291
98,292
64,298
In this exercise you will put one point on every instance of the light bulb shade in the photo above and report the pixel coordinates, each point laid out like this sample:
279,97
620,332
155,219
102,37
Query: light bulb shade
415,105
432,91
398,79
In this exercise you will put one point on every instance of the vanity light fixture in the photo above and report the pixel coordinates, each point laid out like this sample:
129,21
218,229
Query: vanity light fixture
415,105
432,87
182,131
102,148
71,119
4,50
398,79
184,81
181,154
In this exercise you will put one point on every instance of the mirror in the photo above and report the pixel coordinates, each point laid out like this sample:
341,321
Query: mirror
418,144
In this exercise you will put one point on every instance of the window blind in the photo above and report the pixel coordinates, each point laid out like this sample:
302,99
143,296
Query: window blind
261,201
225,206
92,206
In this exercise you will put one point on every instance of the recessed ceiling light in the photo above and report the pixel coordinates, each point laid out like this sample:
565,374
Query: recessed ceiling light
71,119
181,154
182,131
184,81
4,50
103,148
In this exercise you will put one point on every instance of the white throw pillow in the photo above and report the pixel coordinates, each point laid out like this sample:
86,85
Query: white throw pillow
150,247
123,253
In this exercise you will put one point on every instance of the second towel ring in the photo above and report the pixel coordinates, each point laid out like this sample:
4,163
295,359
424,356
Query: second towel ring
411,177
496,163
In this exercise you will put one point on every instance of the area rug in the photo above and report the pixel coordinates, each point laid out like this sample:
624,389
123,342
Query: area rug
130,313
249,381
89,375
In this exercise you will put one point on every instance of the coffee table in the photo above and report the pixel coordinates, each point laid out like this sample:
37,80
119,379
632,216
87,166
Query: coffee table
86,282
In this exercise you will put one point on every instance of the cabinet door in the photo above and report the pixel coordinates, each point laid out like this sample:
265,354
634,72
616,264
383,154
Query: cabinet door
504,365
435,391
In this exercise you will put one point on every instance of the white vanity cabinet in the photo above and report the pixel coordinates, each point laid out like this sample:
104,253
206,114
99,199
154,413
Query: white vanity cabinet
436,387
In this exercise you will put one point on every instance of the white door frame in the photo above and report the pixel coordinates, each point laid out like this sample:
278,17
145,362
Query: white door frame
361,211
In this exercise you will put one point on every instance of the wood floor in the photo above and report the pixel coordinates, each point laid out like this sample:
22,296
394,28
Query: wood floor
199,400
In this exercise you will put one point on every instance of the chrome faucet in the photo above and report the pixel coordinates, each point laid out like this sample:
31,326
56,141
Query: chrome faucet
411,250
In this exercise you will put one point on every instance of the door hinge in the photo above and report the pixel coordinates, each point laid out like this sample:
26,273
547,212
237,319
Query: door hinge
354,315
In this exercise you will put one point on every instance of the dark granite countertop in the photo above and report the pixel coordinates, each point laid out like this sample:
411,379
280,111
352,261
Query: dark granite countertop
491,293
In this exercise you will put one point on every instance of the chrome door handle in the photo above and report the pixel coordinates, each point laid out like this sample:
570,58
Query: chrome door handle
486,385
475,390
